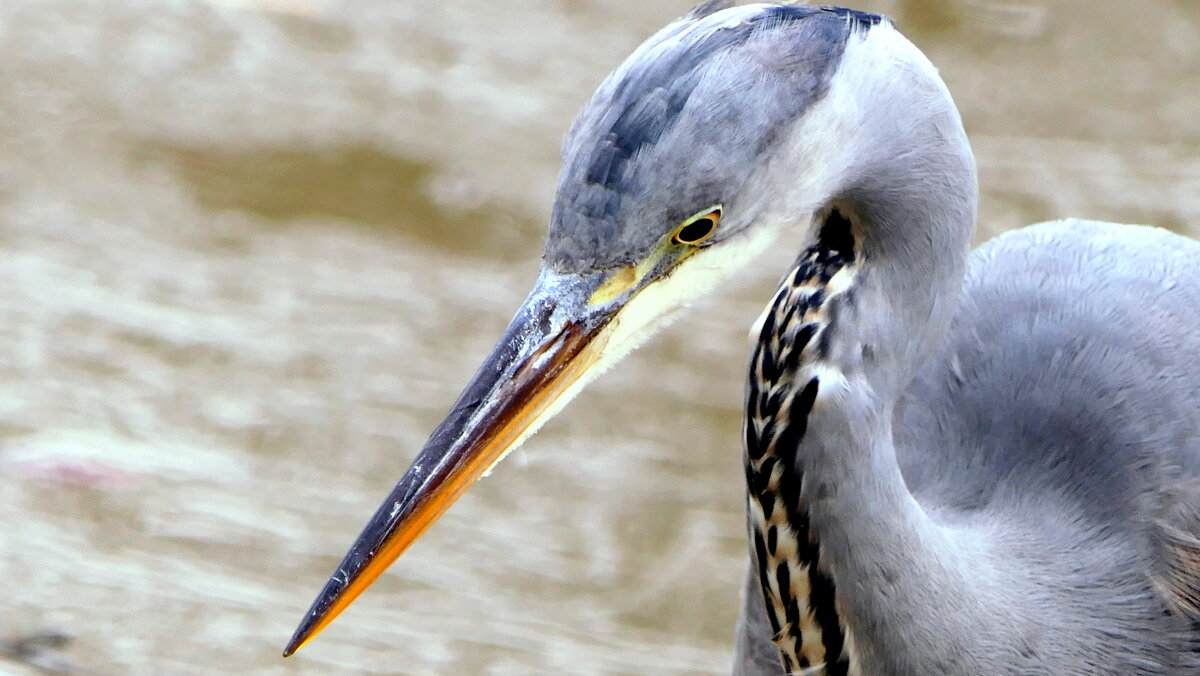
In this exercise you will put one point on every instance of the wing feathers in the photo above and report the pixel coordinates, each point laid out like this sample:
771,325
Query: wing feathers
1178,528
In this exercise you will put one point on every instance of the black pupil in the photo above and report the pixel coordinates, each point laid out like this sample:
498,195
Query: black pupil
696,230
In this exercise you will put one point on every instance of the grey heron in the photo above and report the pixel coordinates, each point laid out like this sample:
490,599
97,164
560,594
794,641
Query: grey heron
956,463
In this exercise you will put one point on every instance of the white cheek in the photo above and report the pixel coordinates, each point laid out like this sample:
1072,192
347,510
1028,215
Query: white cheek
659,304
656,306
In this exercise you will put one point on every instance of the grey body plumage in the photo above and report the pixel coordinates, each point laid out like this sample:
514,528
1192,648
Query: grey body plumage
956,463
1055,434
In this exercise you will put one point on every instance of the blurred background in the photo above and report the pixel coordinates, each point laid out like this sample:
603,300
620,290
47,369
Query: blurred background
251,249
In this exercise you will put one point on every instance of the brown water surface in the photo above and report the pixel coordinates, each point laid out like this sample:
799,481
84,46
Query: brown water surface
250,250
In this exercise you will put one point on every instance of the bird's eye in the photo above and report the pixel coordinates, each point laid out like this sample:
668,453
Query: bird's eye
699,227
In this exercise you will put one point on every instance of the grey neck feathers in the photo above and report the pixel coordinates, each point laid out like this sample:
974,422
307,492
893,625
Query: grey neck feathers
843,549
910,192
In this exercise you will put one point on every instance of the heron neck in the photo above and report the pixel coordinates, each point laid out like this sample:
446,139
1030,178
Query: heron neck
868,304
891,564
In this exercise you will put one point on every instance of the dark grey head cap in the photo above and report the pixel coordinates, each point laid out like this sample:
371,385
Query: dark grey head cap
684,122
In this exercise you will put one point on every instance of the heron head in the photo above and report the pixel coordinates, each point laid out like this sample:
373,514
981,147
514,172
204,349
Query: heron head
678,170
694,120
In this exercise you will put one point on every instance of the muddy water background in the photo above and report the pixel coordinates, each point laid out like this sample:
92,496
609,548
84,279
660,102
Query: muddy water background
250,250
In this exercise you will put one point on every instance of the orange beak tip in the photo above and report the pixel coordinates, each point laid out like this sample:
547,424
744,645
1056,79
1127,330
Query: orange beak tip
538,360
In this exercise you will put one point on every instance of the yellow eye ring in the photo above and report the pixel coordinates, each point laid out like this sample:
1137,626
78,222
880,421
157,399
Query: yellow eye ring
698,228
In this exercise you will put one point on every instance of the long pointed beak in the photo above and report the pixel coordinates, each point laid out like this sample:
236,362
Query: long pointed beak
554,339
